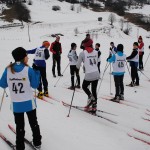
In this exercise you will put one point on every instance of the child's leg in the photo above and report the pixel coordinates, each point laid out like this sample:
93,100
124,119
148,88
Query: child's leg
44,79
77,75
20,133
72,75
85,87
116,80
121,85
35,127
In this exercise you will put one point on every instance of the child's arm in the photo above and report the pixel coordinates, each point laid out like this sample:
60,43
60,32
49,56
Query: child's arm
31,51
3,80
34,77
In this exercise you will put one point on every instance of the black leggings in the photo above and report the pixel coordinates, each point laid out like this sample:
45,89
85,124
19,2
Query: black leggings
20,132
141,61
93,88
119,85
43,79
73,71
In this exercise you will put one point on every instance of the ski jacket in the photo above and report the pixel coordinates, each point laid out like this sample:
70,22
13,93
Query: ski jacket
99,55
141,48
72,55
133,58
20,85
118,62
56,48
90,60
86,43
41,54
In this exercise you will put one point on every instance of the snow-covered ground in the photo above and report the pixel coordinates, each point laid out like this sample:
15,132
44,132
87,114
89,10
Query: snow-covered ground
79,131
144,10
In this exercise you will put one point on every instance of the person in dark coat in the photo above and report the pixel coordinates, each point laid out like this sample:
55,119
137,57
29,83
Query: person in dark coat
56,49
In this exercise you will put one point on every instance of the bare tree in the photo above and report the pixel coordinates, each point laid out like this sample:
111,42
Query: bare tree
122,21
128,29
112,18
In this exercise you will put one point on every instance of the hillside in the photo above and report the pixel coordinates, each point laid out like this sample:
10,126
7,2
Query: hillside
80,130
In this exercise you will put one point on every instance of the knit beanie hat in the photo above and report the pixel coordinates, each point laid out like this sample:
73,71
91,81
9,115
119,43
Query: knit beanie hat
19,54
73,45
140,37
136,44
120,47
46,43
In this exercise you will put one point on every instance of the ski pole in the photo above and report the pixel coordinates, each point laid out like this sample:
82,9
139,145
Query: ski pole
2,99
60,76
6,93
110,81
144,74
72,100
130,77
107,65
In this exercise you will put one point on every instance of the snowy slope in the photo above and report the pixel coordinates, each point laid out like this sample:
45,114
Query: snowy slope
80,130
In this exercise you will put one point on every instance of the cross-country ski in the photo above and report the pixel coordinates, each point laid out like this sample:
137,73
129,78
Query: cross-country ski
74,74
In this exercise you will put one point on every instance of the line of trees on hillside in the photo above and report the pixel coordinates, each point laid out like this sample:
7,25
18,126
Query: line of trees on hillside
17,10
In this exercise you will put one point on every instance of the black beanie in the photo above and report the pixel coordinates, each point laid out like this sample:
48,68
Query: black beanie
120,47
19,54
135,43
73,45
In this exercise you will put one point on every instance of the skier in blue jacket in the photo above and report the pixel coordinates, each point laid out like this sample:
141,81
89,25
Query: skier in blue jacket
118,62
41,54
20,79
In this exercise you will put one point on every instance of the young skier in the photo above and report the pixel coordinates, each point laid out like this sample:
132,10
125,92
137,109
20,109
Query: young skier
90,59
112,50
118,61
97,46
20,79
141,52
41,54
72,55
134,59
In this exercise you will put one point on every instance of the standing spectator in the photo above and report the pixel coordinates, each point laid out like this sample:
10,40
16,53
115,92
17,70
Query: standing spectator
41,54
90,59
56,49
134,59
73,58
20,79
141,52
97,46
87,42
118,61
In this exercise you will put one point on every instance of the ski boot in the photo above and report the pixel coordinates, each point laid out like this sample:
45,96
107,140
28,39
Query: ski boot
40,95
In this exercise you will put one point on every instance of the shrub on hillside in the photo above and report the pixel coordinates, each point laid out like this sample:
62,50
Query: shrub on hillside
56,8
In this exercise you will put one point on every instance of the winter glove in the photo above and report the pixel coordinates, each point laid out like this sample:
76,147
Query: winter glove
34,66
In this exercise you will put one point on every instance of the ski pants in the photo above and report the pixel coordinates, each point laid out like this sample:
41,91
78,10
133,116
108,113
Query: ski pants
56,59
119,85
141,61
20,132
73,71
93,88
134,75
43,79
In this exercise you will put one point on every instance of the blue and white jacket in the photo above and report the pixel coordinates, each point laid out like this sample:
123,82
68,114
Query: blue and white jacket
20,85
113,60
41,54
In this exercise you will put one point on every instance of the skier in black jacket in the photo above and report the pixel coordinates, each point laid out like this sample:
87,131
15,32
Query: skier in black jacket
134,61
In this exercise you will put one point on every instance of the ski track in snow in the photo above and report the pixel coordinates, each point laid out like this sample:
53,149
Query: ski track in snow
79,131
